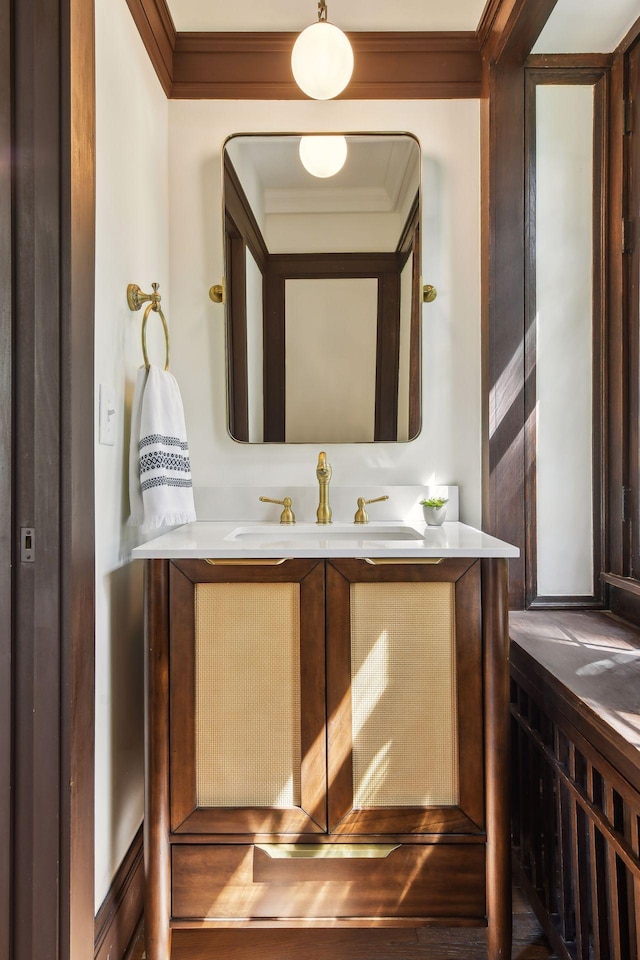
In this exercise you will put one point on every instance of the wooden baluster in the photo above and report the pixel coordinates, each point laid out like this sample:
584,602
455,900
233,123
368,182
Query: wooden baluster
611,873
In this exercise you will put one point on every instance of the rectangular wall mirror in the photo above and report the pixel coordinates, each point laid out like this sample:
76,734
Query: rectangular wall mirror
322,289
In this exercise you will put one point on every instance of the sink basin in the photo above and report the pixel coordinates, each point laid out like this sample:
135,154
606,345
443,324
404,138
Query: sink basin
268,533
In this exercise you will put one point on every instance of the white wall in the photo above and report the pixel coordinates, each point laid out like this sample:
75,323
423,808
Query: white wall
564,257
330,346
449,447
131,246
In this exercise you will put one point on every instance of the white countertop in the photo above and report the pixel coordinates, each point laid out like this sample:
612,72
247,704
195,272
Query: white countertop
245,540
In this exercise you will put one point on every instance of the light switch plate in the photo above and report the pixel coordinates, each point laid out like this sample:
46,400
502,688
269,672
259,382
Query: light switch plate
107,430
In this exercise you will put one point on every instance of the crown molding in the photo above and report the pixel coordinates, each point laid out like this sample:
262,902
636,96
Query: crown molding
257,66
158,34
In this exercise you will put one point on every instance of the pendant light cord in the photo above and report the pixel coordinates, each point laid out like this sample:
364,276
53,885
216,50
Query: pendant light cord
322,10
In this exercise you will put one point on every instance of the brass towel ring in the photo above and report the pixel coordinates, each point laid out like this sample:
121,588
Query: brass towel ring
157,309
135,299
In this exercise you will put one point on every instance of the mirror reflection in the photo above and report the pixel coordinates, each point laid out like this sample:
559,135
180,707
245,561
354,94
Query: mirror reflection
322,287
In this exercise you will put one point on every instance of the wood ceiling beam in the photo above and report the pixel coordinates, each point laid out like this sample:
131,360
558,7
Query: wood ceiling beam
257,66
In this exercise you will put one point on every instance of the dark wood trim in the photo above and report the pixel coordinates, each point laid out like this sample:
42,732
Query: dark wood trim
237,206
6,473
617,552
257,66
415,344
384,267
54,227
632,34
274,385
487,19
387,355
511,28
622,583
119,916
157,855
507,32
158,34
624,604
503,285
77,538
530,344
496,725
236,310
631,243
570,61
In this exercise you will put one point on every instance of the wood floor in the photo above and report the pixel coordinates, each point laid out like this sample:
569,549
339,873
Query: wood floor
429,943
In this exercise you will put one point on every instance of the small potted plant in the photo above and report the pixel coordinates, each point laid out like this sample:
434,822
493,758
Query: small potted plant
435,510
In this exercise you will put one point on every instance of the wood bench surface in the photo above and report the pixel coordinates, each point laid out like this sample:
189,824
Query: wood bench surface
591,660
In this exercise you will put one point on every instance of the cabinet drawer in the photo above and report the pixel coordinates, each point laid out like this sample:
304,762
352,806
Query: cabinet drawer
243,882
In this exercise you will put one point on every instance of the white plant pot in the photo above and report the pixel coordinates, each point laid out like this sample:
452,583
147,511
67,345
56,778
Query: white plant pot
435,516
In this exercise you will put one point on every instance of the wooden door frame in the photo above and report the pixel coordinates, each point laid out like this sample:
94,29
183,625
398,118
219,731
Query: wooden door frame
48,318
6,270
510,29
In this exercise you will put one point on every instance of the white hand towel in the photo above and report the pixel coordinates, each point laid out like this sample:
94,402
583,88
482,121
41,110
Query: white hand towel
163,454
136,517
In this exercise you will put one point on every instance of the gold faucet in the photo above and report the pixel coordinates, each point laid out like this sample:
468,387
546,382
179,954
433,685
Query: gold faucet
361,514
323,473
287,515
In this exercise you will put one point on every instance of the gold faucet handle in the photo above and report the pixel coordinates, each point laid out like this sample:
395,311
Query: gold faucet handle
287,515
361,514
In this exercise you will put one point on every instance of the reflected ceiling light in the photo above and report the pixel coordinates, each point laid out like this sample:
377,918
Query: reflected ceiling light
323,156
322,58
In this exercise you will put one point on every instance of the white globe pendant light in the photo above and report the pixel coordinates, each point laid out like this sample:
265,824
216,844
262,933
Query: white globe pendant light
323,156
322,59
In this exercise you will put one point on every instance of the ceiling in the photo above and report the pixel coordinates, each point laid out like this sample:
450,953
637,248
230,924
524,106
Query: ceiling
575,26
294,15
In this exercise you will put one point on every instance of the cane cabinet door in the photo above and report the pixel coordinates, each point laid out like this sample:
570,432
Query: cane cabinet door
404,687
247,697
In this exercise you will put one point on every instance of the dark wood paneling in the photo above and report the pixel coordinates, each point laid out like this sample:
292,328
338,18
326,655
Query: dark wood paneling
154,23
6,527
631,212
257,66
53,245
416,880
503,258
509,32
617,552
157,863
119,916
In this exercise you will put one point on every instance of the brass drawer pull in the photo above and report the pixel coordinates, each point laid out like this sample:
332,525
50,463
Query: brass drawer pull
327,851
247,562
377,561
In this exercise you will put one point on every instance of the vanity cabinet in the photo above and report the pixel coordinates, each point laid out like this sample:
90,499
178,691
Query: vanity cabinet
326,744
